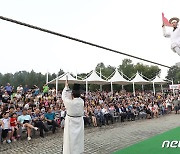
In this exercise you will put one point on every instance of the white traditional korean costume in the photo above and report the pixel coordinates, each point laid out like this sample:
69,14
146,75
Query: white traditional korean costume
73,142
175,39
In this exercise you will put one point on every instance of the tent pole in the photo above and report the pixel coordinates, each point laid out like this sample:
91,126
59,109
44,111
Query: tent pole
161,88
134,89
86,87
173,88
76,75
57,85
111,88
154,91
47,77
101,78
142,87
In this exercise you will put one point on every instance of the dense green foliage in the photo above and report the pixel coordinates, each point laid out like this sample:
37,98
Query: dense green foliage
127,67
174,73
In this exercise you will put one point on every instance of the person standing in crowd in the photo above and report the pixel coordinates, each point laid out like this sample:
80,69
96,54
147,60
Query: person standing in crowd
176,104
174,35
73,142
45,90
8,88
20,89
25,89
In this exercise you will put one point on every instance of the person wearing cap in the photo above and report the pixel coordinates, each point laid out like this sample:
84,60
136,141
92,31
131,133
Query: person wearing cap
73,142
174,35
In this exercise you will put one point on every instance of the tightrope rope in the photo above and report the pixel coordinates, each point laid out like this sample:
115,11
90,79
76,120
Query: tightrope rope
78,40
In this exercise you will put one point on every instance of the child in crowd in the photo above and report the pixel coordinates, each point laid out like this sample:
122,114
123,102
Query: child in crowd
14,126
6,129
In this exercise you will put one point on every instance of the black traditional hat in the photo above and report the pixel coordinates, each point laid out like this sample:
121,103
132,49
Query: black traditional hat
76,87
76,90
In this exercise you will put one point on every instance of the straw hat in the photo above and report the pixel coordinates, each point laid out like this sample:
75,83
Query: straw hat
174,19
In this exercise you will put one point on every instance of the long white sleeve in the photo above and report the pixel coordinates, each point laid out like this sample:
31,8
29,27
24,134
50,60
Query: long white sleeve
66,95
166,34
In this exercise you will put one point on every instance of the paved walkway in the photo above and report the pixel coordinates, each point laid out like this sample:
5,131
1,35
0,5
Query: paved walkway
104,140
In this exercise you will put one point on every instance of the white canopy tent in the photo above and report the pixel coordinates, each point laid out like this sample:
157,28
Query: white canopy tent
94,79
54,80
118,79
62,78
139,80
158,80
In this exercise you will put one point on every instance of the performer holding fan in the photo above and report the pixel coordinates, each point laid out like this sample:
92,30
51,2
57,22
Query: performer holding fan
73,142
174,35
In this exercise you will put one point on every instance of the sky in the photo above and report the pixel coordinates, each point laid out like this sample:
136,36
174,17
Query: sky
133,27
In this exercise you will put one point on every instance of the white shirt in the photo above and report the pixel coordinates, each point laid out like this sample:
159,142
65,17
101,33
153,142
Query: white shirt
18,95
104,111
63,113
20,89
120,111
6,123
174,35
26,106
100,101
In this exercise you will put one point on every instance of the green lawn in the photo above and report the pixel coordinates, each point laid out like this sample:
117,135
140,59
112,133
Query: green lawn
154,145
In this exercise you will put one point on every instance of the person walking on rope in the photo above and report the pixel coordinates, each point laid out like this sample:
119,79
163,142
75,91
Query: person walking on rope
73,142
174,35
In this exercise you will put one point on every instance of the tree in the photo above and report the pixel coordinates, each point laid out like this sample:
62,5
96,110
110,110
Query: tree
19,79
178,77
7,78
174,73
60,72
106,71
127,68
147,71
100,65
1,77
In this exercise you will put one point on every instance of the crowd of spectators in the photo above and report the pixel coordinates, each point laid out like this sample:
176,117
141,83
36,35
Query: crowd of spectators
30,109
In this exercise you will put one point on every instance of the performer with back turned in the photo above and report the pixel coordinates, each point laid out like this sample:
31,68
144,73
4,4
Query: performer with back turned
73,142
174,35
